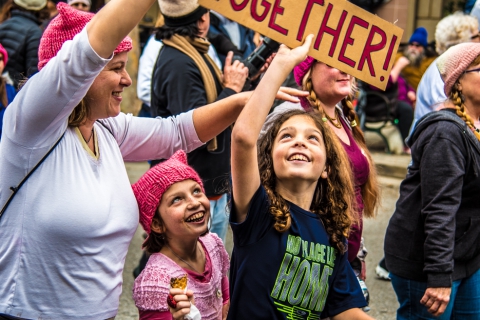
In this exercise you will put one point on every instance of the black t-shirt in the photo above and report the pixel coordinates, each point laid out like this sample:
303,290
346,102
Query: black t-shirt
292,275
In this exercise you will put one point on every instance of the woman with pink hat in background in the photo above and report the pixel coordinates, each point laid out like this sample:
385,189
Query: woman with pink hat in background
64,236
435,268
7,91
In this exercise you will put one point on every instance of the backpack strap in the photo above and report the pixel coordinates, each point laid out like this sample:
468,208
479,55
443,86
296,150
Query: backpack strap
15,189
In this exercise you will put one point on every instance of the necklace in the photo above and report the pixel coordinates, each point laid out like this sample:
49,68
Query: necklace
90,138
337,123
188,264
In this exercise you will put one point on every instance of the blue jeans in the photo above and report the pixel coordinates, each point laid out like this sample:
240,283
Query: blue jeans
464,300
219,216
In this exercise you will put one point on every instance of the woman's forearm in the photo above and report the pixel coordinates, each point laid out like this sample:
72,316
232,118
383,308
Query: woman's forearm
114,22
212,119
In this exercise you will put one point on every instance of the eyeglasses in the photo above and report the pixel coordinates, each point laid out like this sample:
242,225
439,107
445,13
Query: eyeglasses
473,70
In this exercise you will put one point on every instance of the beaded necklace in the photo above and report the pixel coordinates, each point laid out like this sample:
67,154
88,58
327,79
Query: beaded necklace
334,121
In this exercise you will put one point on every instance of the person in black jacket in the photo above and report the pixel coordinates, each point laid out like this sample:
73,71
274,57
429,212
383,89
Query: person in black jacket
435,267
185,78
20,35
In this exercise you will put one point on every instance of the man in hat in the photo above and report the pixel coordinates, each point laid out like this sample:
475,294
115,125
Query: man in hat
185,78
413,61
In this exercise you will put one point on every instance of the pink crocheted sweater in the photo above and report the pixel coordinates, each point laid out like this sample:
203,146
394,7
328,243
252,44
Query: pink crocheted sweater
151,287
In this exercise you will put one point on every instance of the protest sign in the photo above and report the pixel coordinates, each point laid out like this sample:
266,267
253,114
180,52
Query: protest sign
346,36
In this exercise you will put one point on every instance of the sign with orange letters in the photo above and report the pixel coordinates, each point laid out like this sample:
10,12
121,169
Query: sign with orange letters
346,36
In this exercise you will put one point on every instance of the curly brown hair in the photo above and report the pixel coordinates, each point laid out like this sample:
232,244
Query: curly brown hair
370,190
458,101
333,198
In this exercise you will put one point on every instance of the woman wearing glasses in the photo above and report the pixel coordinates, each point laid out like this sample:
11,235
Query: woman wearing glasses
435,267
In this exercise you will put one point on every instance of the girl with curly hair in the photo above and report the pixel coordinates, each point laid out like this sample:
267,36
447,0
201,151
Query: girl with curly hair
331,92
293,205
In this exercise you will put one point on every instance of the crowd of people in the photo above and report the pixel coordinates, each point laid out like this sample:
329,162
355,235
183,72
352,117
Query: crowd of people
294,183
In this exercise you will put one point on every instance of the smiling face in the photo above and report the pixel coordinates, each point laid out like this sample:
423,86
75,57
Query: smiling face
330,84
184,210
299,151
105,95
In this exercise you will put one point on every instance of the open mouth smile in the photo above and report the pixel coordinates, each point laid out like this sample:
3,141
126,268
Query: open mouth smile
298,157
197,217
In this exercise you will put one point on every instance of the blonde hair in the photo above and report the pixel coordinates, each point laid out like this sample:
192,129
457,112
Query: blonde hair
454,29
370,190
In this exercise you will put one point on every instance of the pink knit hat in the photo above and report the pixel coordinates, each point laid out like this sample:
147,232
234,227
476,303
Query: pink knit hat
299,73
453,63
150,188
68,23
5,55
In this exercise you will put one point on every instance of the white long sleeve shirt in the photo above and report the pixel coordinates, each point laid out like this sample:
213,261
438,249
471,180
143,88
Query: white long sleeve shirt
64,237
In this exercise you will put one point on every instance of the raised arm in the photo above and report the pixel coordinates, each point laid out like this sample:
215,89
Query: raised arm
114,22
245,174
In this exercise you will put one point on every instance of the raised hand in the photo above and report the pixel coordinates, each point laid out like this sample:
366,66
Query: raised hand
234,73
291,57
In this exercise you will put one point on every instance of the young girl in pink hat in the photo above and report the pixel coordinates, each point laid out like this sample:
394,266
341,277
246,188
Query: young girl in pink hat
174,211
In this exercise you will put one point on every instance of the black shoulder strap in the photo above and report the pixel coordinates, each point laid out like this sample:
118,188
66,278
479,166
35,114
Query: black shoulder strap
108,129
15,189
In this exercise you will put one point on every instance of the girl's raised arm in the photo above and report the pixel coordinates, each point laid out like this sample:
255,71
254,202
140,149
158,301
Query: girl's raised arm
245,174
114,22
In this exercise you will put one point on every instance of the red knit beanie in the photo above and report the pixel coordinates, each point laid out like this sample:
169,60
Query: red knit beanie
150,188
68,23
455,61
5,55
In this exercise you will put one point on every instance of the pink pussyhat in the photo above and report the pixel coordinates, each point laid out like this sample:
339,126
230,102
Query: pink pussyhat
150,188
5,55
453,63
66,25
299,73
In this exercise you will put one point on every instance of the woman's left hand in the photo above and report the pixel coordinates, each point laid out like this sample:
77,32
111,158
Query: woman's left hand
436,300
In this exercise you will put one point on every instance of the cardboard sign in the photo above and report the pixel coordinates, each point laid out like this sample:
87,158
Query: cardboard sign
346,36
